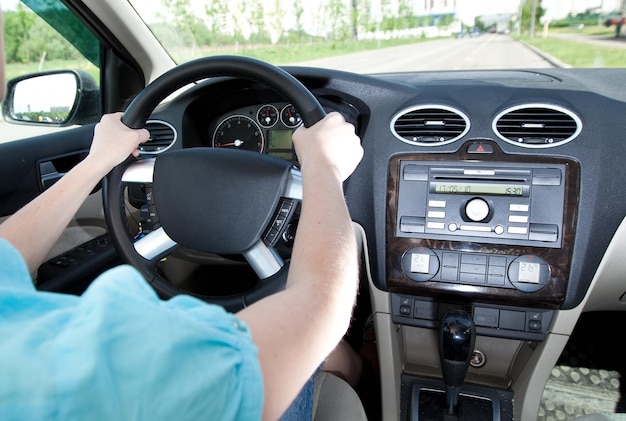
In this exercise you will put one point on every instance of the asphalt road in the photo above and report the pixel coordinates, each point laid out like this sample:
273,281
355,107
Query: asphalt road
487,51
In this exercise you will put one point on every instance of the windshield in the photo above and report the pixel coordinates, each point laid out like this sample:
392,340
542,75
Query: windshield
378,36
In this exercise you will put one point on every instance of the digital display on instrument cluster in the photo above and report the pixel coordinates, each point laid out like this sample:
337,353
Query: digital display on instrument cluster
265,128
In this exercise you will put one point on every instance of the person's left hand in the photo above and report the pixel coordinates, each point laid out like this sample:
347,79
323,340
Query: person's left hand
113,142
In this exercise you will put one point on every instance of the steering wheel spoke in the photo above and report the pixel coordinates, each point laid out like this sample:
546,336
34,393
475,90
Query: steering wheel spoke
293,185
155,245
264,260
140,171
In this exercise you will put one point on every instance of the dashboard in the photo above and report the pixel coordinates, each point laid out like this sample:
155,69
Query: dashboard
489,188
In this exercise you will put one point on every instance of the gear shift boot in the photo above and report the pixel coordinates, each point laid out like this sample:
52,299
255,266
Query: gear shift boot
432,407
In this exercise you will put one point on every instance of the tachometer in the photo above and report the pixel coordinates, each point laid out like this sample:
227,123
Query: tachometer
240,132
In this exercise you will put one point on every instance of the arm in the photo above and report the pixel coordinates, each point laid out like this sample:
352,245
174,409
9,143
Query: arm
297,328
35,228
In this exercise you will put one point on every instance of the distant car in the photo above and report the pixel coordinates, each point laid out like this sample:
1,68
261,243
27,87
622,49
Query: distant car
474,32
613,20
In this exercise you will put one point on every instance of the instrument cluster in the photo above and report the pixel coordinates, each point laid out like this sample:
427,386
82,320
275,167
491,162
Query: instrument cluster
264,128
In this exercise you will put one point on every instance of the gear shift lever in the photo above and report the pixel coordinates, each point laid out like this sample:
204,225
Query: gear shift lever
456,343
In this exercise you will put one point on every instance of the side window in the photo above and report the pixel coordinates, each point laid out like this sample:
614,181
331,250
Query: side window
43,37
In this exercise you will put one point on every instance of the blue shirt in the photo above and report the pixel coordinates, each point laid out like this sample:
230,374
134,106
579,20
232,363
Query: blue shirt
118,352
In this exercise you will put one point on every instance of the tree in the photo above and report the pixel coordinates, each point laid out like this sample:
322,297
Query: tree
405,12
17,26
337,14
215,12
28,38
276,20
191,30
298,12
528,23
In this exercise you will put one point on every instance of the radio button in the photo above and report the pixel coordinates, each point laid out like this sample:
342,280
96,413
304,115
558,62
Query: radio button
518,208
437,203
477,210
436,214
412,224
475,228
499,229
518,230
520,219
544,232
435,225
452,227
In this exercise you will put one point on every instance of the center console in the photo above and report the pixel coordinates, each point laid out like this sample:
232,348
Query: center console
487,233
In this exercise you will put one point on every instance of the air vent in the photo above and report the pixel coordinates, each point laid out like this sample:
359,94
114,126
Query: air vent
537,125
162,136
429,125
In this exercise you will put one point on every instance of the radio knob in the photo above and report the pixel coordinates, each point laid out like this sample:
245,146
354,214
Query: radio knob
477,210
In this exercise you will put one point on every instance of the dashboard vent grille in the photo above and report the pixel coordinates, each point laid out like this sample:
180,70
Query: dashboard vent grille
162,137
430,125
537,125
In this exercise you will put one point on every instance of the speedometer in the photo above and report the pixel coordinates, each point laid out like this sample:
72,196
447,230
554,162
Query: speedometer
239,132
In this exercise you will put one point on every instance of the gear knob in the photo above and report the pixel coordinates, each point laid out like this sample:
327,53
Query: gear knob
456,343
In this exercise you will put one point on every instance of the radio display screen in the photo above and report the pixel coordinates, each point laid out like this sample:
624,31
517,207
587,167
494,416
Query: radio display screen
478,188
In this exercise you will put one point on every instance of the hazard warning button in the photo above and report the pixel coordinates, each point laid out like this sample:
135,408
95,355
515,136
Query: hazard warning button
480,148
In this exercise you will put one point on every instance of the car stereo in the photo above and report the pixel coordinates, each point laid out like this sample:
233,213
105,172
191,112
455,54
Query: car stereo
496,202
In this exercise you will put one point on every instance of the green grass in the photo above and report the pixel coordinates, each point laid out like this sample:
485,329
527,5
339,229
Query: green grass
580,54
587,30
303,51
18,69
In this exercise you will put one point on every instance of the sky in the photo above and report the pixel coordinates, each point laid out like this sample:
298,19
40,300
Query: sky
466,9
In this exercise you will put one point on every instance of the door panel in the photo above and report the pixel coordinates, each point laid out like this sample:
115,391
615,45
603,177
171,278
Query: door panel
20,163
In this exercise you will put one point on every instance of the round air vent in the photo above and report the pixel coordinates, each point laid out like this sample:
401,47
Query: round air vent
537,125
162,137
429,125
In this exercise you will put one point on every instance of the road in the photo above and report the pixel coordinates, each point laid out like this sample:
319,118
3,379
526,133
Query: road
488,51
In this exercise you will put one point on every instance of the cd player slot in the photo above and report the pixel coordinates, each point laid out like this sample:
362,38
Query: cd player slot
480,172
478,179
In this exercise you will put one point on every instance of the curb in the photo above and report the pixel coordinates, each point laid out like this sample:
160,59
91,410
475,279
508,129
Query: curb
550,59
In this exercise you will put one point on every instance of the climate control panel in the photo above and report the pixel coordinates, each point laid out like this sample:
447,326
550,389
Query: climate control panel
525,273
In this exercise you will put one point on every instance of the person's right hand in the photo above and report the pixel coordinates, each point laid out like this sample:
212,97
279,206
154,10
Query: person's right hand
330,144
113,142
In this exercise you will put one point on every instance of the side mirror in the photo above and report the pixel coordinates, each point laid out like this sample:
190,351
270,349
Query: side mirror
54,98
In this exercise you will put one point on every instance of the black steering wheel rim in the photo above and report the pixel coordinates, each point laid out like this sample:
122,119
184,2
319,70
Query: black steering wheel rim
136,116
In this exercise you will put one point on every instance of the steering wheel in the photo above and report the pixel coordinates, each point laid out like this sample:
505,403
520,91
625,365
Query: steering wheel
196,212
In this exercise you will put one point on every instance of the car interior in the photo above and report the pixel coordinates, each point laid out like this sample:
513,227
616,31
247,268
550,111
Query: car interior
487,206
